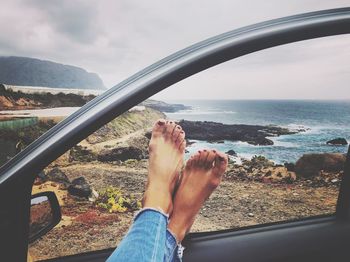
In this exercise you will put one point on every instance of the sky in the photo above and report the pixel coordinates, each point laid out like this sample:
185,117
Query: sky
115,39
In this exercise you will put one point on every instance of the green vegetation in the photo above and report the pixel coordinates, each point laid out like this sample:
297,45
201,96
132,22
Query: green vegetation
116,201
129,122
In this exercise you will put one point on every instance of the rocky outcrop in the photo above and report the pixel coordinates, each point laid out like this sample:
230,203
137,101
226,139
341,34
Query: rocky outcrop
82,154
56,175
164,107
260,169
80,188
231,152
310,165
121,154
337,141
290,166
212,131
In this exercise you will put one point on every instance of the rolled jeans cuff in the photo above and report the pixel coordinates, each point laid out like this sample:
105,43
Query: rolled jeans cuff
174,249
158,210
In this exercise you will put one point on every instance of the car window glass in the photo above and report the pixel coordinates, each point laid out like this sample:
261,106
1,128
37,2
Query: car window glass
26,112
281,115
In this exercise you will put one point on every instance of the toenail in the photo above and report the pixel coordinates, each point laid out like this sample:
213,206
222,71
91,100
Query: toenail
204,150
199,151
178,127
214,151
161,122
182,132
221,158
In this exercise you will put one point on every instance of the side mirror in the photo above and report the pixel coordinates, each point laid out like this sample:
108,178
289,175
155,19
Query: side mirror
45,213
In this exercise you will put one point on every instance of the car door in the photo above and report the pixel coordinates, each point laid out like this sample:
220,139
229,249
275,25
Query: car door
316,239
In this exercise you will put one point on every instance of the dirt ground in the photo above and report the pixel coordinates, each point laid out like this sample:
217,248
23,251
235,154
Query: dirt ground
236,203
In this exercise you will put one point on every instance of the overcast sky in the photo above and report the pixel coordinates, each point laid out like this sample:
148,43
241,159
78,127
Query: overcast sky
118,38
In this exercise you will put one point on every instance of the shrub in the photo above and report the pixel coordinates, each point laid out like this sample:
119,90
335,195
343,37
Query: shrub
114,200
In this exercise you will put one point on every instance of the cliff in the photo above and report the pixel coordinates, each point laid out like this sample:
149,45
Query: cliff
24,71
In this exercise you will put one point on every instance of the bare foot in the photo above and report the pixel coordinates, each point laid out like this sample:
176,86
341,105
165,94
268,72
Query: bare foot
202,174
166,152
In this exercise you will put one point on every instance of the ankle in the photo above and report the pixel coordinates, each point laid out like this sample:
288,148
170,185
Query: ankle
178,232
158,199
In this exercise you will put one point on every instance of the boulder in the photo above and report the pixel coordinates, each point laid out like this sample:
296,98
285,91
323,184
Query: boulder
231,152
338,141
57,175
81,154
260,162
290,166
79,187
121,154
278,174
310,165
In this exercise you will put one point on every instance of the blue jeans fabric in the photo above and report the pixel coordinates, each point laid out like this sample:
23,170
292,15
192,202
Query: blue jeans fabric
148,240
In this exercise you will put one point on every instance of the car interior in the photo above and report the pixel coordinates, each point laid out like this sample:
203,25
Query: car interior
59,195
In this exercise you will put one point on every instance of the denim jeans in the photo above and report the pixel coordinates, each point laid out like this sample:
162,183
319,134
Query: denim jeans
148,240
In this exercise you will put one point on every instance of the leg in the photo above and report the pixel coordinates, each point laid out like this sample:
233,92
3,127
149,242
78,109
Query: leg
202,174
146,238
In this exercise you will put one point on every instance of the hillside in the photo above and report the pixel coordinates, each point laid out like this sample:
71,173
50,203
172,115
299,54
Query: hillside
24,71
10,100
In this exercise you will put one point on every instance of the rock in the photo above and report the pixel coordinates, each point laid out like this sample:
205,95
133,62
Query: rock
260,161
310,165
121,153
94,195
337,141
81,154
57,175
250,215
335,180
278,174
79,187
231,152
213,131
290,166
42,177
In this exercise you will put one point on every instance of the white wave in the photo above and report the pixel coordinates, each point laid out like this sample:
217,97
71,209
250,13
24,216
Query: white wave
239,143
247,156
195,112
277,142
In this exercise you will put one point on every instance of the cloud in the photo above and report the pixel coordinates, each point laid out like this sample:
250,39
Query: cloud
75,19
117,38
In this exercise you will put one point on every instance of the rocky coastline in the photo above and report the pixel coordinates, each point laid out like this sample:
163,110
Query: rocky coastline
214,132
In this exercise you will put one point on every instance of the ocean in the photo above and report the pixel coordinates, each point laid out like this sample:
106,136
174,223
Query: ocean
323,121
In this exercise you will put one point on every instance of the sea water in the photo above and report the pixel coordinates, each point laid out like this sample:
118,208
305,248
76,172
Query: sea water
322,120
